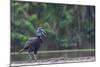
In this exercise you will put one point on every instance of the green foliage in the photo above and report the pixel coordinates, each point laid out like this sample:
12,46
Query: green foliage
67,26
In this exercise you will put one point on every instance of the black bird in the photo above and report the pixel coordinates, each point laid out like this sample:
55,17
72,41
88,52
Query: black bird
33,43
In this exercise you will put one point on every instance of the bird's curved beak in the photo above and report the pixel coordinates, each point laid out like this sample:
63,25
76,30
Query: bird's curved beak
44,34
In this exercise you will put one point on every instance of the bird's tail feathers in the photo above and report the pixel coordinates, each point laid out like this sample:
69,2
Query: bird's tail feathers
21,50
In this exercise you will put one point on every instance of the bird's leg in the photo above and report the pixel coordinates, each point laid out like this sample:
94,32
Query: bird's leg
30,56
35,57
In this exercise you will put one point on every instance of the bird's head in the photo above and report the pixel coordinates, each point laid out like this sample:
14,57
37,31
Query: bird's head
40,32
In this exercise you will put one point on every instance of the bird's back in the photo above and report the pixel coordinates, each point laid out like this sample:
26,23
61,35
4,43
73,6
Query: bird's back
32,44
29,42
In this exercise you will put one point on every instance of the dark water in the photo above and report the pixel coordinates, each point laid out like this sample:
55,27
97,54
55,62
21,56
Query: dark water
24,57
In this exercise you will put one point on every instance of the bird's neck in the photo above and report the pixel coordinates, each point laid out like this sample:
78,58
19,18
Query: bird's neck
39,38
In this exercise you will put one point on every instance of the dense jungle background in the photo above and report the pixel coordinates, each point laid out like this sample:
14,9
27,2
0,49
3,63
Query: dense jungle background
67,26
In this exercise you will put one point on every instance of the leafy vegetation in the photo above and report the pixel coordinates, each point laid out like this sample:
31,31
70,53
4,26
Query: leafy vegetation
67,26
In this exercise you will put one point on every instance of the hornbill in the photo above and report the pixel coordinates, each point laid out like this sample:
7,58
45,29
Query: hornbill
33,43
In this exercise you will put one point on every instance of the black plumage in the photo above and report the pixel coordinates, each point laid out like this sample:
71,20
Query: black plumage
33,44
